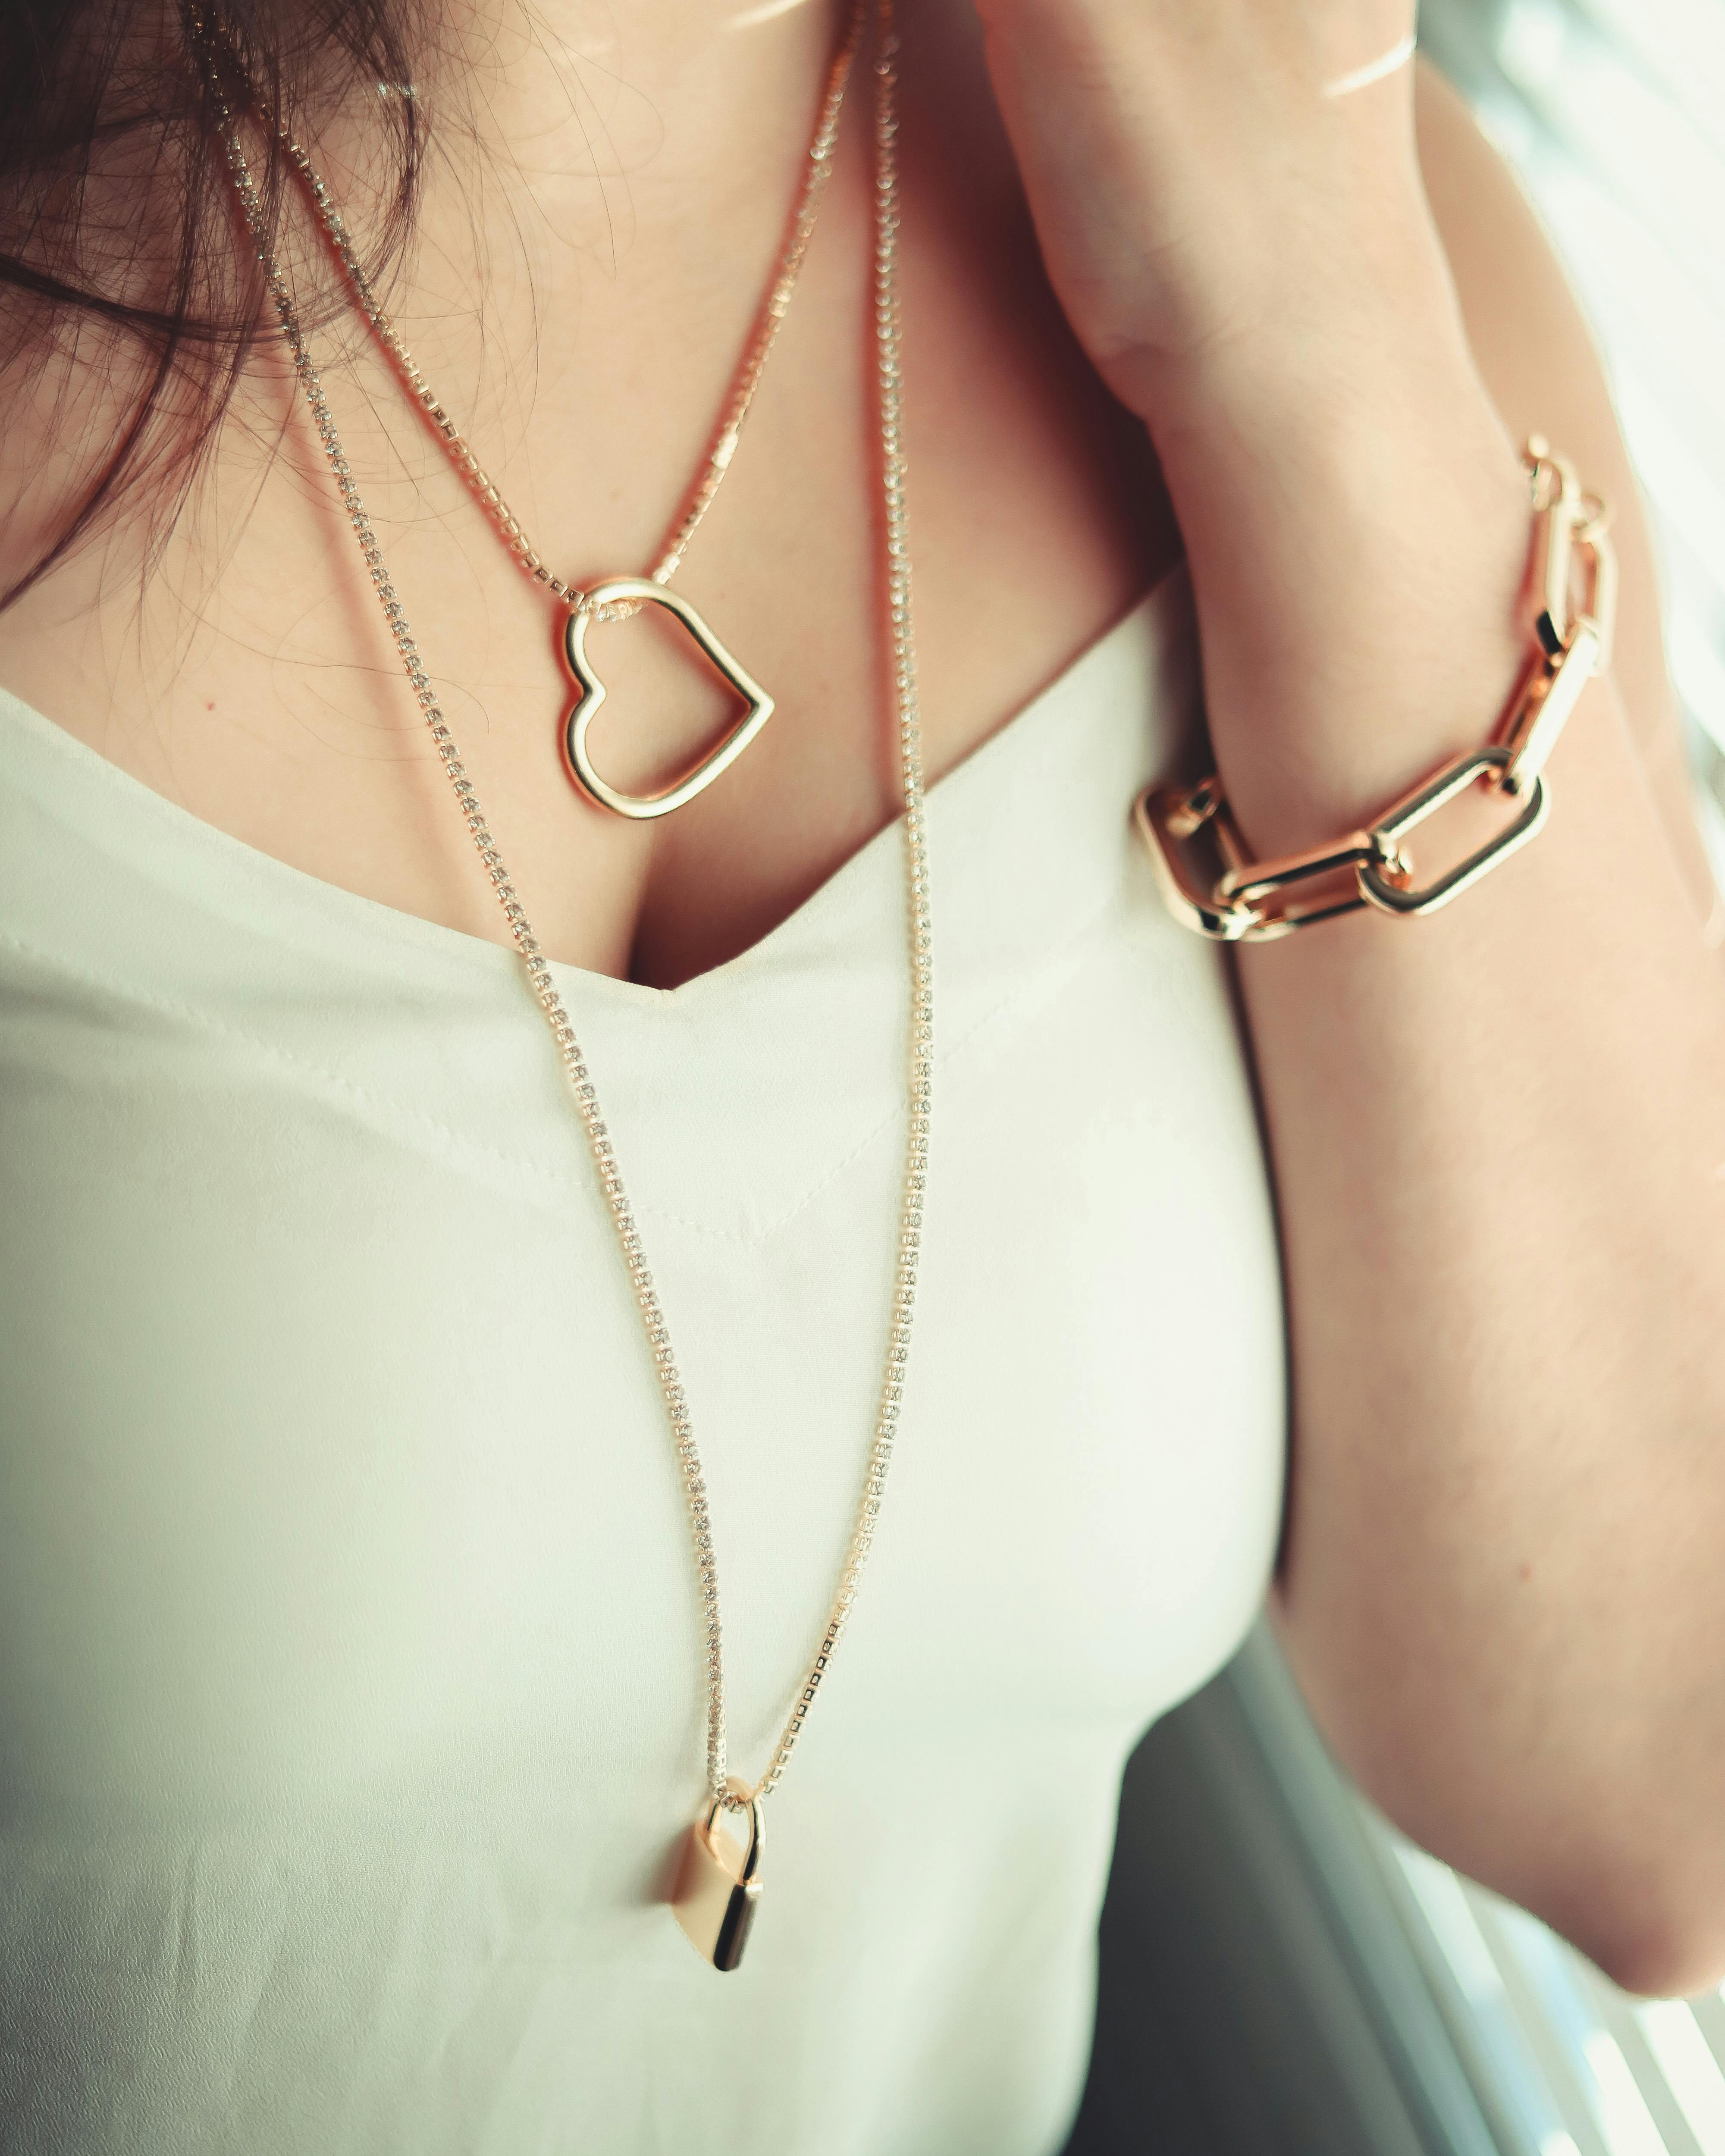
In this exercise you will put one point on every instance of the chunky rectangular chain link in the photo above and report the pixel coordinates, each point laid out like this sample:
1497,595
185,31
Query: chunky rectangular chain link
1572,586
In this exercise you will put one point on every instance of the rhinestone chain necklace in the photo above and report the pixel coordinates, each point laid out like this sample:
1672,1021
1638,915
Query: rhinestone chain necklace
722,1792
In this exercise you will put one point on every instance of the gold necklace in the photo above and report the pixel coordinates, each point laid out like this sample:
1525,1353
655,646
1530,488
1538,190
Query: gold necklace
720,1883
616,597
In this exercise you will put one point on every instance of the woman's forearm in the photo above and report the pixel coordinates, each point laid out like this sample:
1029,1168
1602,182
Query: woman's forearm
1498,1133
1497,1136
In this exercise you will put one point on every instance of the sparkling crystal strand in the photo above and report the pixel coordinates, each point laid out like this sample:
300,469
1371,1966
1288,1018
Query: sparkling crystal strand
920,1044
920,1012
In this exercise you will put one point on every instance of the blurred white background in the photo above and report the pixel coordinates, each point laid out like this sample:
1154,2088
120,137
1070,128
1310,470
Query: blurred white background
1614,113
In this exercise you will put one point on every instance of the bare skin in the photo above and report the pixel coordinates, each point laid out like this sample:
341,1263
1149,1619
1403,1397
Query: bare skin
264,694
1496,1135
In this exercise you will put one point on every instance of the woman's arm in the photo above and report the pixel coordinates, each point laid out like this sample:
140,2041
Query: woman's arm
1535,351
1498,1133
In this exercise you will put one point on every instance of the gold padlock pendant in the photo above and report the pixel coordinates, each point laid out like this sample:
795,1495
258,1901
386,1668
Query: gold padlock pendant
720,1883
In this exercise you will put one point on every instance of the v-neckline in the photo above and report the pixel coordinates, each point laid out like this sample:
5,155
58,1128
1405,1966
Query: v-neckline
122,803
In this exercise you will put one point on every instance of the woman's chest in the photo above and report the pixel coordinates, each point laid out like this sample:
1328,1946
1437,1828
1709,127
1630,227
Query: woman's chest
332,1458
333,1450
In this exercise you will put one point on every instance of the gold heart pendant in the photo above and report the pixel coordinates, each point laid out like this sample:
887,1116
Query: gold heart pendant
590,694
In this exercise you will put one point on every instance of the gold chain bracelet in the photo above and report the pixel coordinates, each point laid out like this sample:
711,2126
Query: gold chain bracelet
1256,901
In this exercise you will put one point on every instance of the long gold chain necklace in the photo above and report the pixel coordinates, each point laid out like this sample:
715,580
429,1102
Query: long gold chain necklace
720,1883
615,598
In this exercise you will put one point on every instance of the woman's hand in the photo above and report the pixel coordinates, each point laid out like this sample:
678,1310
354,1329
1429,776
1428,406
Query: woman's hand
1252,266
1195,191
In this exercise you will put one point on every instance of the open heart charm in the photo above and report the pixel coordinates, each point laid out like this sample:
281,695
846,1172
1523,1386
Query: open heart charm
590,694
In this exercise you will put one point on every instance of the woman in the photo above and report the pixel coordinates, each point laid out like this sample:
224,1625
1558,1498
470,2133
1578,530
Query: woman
352,1680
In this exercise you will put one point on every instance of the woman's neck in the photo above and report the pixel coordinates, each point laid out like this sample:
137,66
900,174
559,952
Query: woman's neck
668,116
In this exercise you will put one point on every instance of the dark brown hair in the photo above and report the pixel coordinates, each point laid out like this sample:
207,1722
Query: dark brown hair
123,269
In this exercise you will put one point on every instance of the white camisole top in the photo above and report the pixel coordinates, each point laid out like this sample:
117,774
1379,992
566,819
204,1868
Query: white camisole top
349,1684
